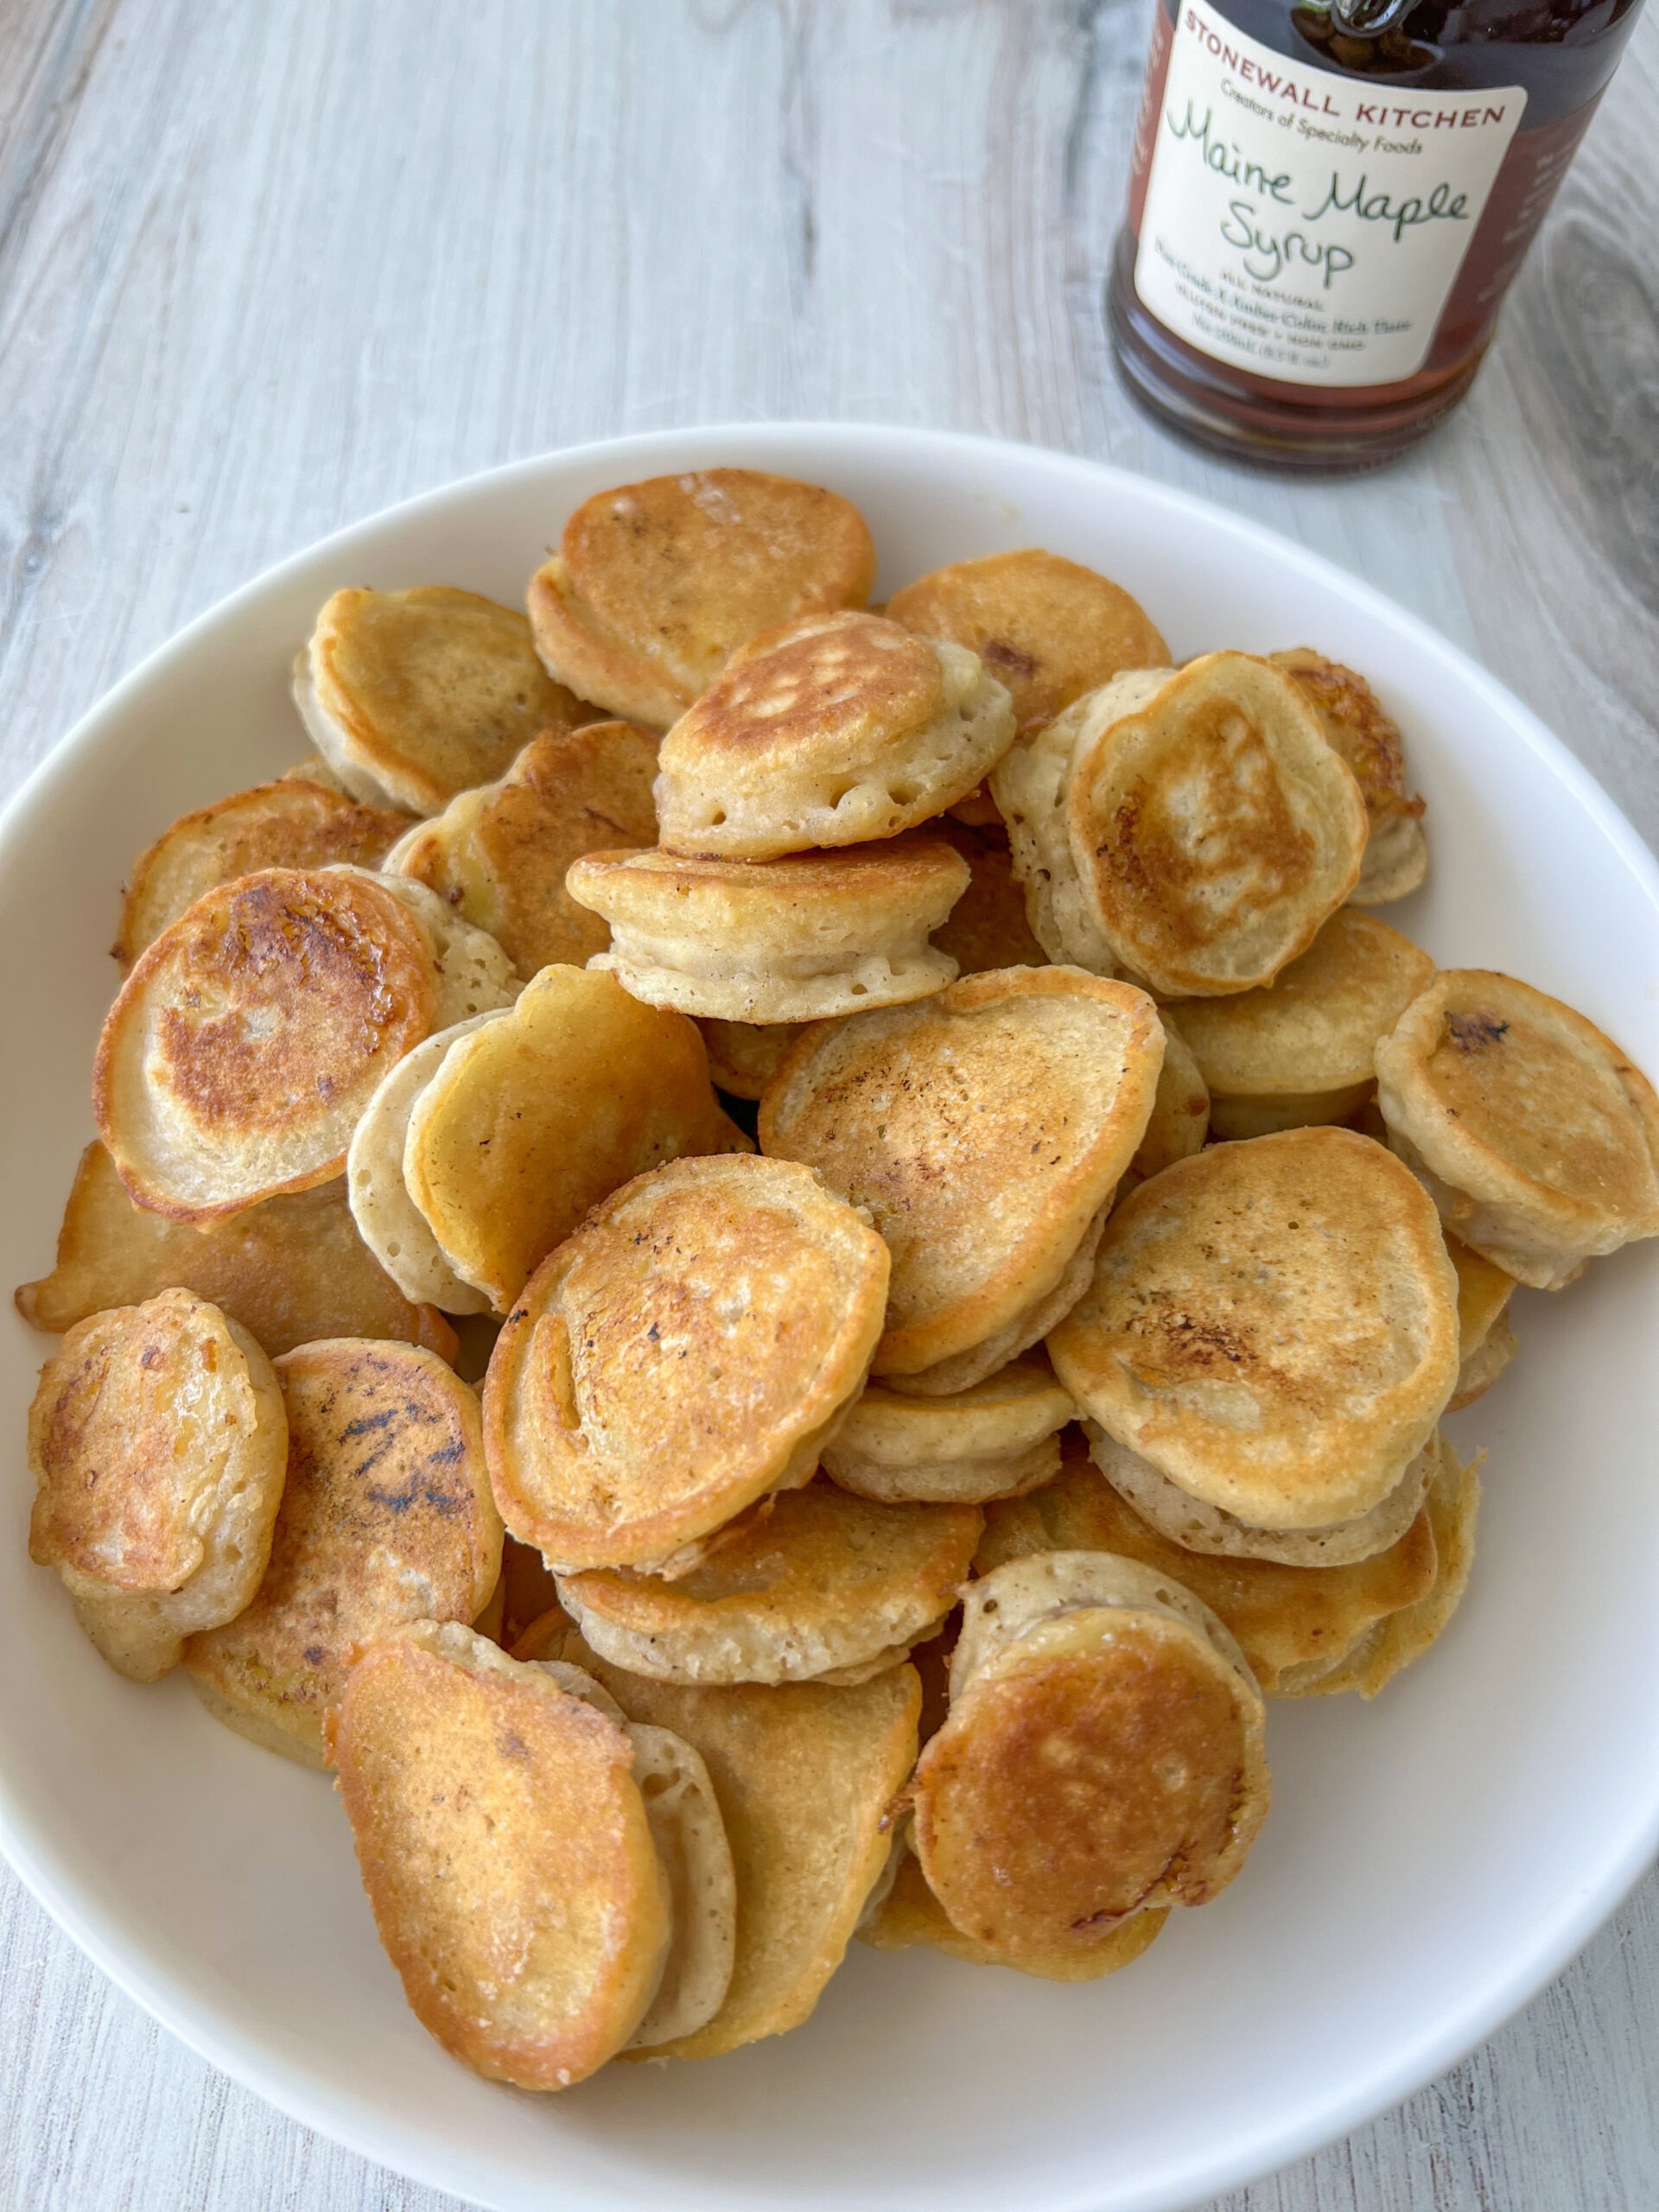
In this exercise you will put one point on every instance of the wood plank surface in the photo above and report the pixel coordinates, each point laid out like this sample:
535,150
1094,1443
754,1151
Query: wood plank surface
265,269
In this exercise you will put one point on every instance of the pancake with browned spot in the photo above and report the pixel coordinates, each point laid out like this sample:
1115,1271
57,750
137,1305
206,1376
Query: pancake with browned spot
1351,716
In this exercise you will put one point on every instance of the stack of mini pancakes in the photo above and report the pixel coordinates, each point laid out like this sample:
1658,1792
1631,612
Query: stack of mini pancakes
765,1264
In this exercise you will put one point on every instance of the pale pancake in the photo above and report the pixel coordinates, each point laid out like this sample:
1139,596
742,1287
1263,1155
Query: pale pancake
1303,1049
1046,628
291,823
1537,1137
507,1853
1272,1325
656,585
1181,1110
996,1439
1103,1756
498,855
911,1914
797,939
1284,1618
834,730
289,1271
987,928
1193,823
744,1056
413,696
387,1518
158,1444
531,1119
804,1774
687,1351
984,1130
1396,852
822,1584
1028,1326
252,1034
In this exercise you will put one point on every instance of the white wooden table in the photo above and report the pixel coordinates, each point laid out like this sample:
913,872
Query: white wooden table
265,268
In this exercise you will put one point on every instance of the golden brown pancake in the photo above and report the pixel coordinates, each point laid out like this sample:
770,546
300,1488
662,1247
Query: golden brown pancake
684,1353
822,1584
1486,1340
997,1439
1536,1135
498,855
1272,1326
987,928
1045,628
157,1442
984,1130
387,1518
1396,853
291,823
413,696
250,1035
833,730
289,1270
911,1914
656,585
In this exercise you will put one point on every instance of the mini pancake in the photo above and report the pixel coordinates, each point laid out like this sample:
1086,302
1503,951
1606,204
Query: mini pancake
911,1914
996,1439
1192,826
1288,1621
656,585
1272,1327
289,1270
1486,1340
822,1584
1181,1110
987,928
1537,1136
686,1351
387,1518
744,1056
1303,1049
799,939
1046,628
314,769
984,1130
507,1852
158,1441
498,855
471,973
413,696
531,1118
253,1033
1103,1756
804,1774
833,730
1396,852
290,823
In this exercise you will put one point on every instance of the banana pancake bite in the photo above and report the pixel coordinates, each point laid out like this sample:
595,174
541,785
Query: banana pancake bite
1303,1049
158,1442
250,1035
290,823
289,1270
910,1914
413,696
1046,628
551,1881
685,1352
1269,1340
656,585
1102,1756
1486,1339
1190,827
1294,1625
996,1439
833,730
1536,1135
985,1130
387,1518
498,855
987,928
797,939
805,1775
1396,851
817,1583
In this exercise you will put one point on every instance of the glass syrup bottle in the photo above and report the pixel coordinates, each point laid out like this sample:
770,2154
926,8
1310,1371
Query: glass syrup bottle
1328,201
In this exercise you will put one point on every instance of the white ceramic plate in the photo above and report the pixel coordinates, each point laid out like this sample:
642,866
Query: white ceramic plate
1432,1860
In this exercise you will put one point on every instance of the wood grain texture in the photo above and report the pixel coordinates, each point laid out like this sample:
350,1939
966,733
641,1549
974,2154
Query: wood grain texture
264,269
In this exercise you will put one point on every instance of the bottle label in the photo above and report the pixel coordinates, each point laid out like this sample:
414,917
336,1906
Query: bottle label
1306,226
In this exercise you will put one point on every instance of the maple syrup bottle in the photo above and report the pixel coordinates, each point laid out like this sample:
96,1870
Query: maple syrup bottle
1328,202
